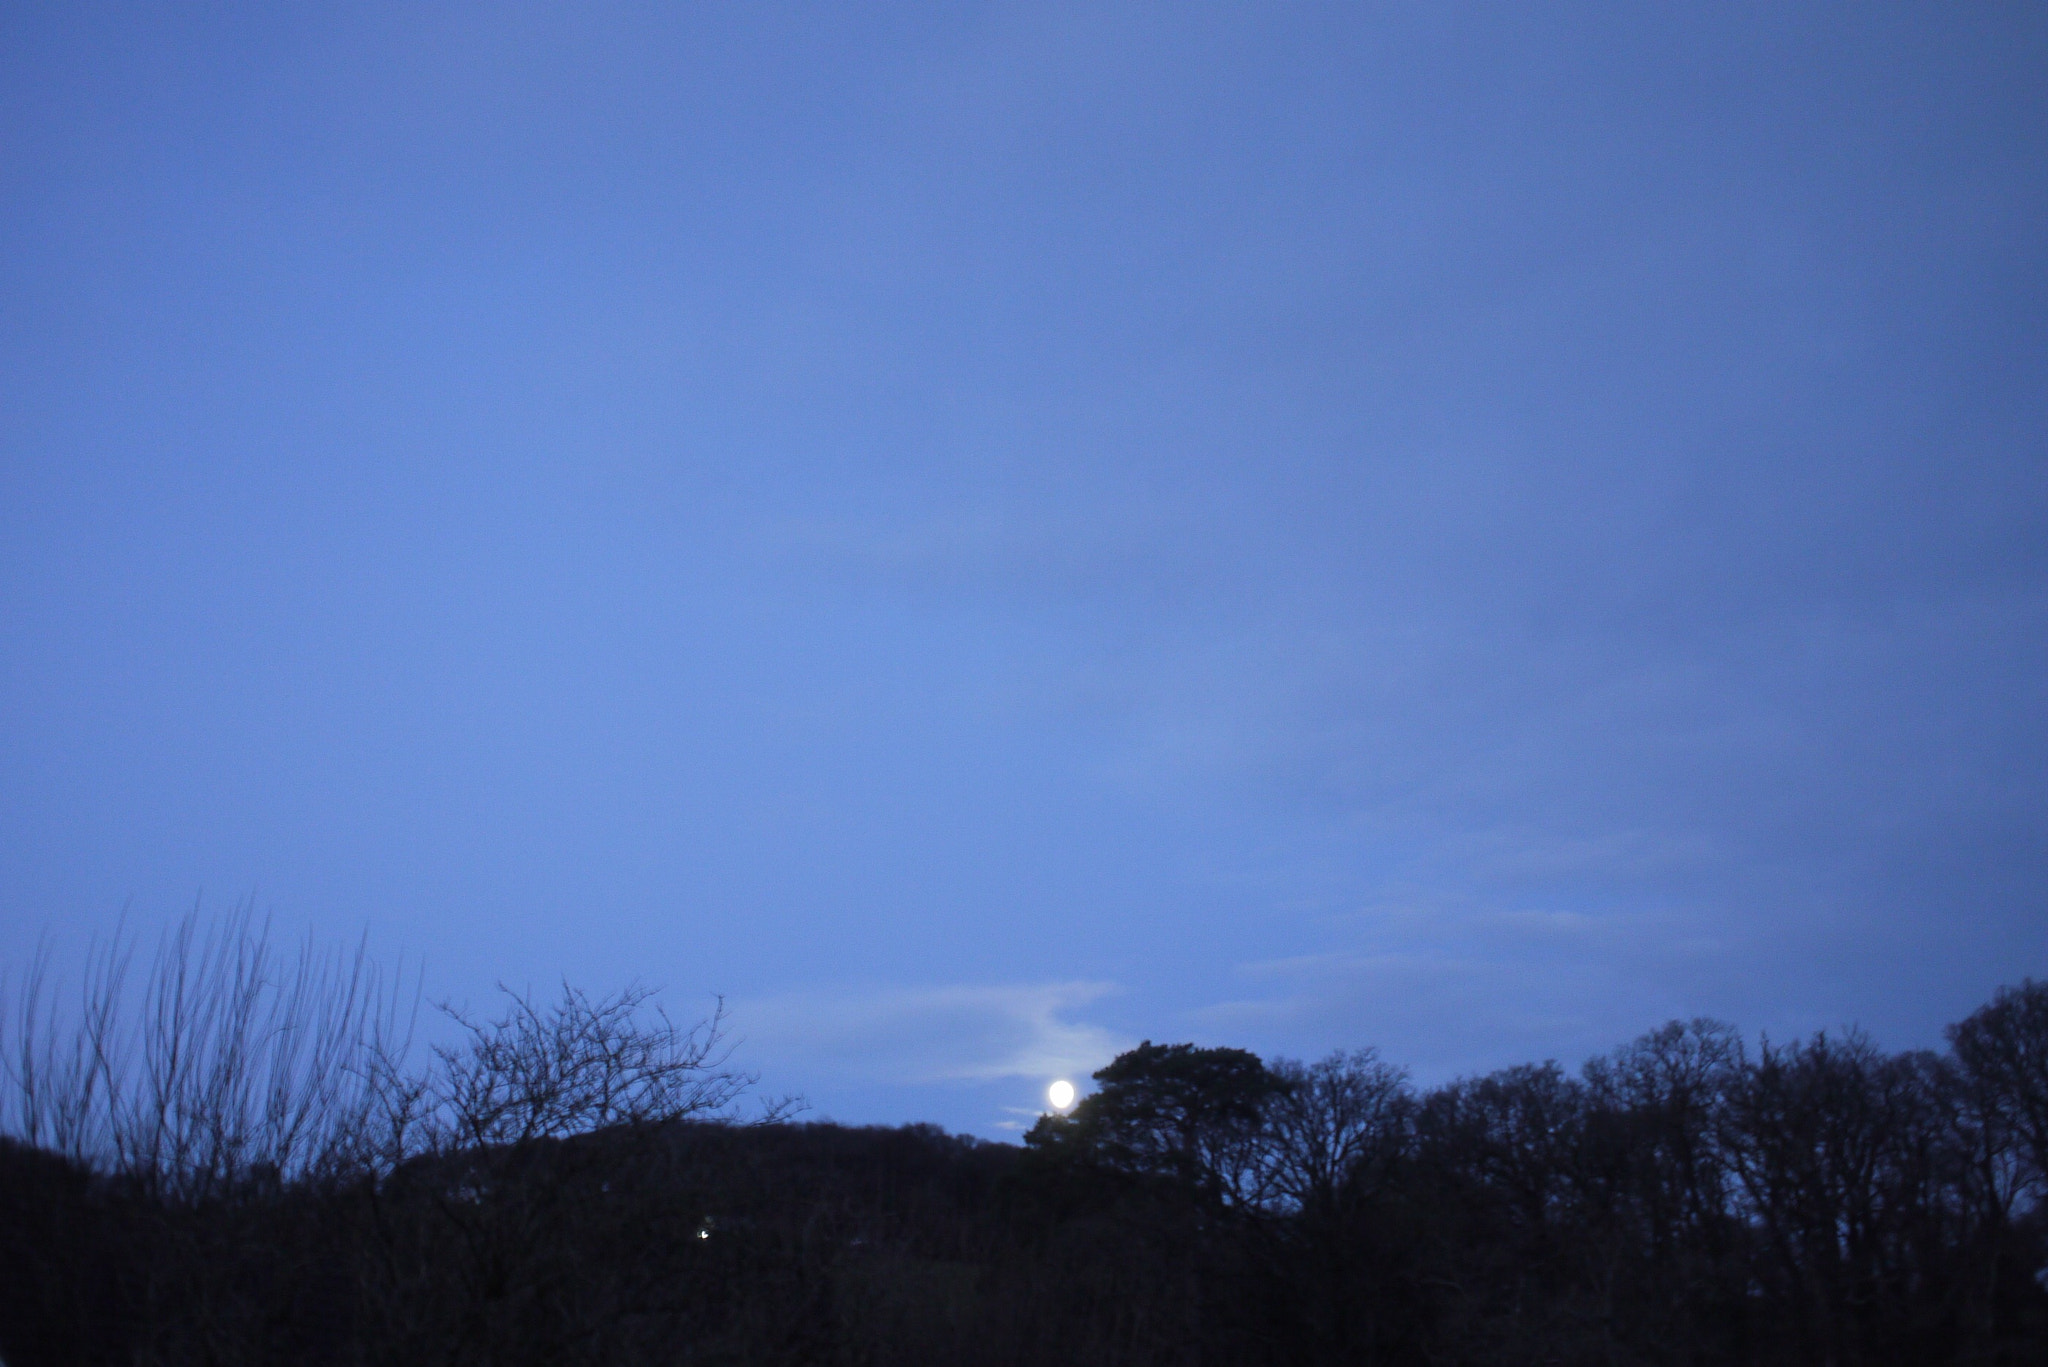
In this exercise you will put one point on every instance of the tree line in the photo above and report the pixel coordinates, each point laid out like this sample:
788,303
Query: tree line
245,1162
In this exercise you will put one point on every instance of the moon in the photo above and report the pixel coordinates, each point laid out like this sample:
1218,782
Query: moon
1060,1094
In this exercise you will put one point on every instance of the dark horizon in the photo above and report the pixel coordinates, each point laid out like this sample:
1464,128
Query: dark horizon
262,1173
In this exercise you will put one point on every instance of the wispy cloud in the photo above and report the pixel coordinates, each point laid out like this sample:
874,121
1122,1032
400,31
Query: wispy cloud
935,1034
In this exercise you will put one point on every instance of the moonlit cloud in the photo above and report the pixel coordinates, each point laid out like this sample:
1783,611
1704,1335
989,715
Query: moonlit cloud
936,1034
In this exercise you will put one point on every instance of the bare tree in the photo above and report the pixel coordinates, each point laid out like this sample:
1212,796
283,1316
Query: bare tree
232,1059
580,1065
1334,1125
2002,1047
235,1059
527,1204
1662,1099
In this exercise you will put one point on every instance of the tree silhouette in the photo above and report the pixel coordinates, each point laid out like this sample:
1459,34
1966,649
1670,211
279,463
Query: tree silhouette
253,1170
1175,1112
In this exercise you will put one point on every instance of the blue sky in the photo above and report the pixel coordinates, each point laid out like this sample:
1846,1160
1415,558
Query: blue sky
987,533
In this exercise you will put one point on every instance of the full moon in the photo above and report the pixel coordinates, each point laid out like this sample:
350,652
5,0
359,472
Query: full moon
1060,1094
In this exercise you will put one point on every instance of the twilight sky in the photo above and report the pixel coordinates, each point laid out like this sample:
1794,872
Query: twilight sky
985,533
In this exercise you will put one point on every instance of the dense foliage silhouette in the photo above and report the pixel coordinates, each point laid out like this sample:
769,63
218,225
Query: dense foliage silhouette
571,1182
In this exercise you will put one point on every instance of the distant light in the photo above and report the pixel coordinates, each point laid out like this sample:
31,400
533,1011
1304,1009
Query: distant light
1060,1094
